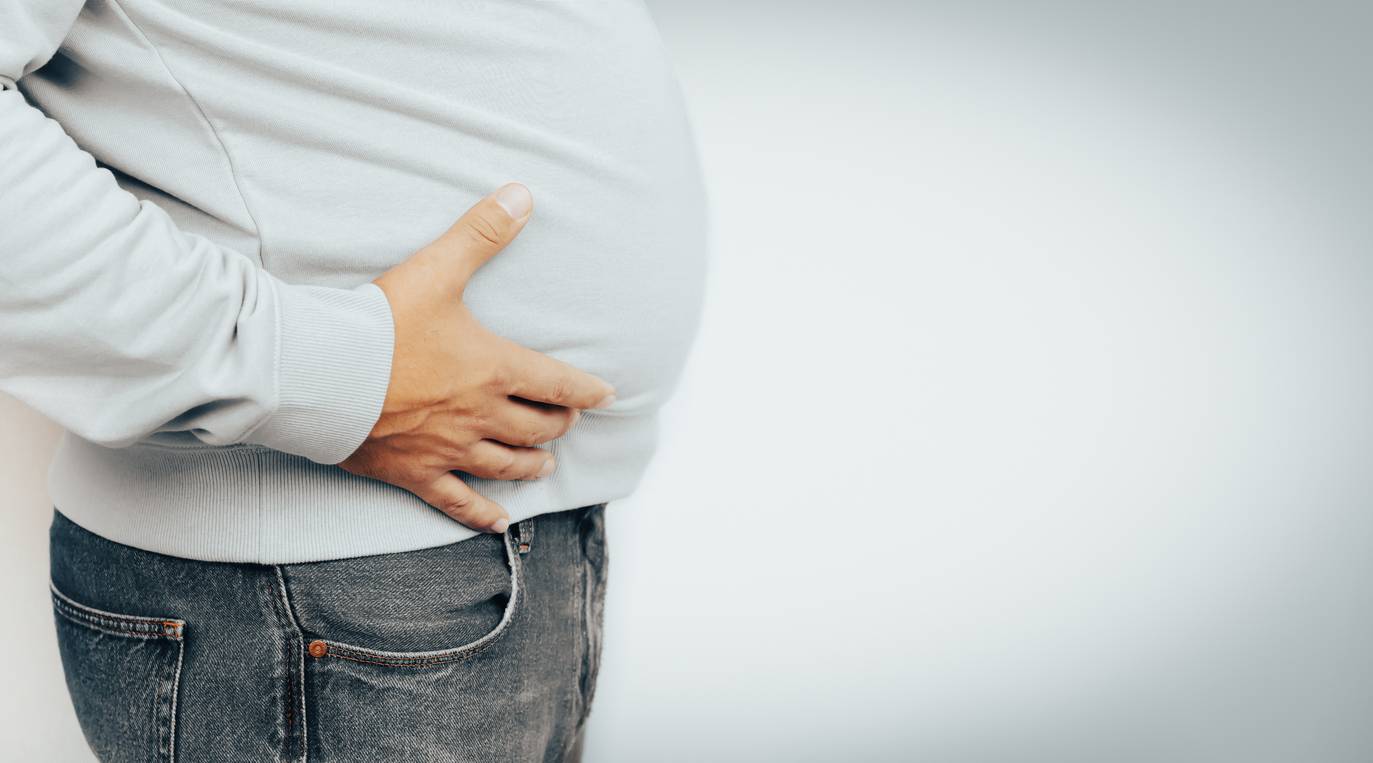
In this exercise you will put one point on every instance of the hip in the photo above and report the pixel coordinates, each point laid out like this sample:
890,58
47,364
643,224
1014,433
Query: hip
483,649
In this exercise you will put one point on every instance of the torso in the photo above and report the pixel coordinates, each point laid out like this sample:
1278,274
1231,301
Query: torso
352,135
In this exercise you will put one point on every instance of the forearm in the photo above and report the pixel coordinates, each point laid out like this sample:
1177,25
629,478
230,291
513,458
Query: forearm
117,324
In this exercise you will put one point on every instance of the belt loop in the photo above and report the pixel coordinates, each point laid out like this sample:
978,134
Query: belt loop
525,535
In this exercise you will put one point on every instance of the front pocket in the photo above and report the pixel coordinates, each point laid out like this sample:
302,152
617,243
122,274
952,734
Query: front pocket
450,603
122,673
421,668
320,648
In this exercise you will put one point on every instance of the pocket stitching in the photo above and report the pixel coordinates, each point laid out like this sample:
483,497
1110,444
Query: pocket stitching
133,626
446,656
114,624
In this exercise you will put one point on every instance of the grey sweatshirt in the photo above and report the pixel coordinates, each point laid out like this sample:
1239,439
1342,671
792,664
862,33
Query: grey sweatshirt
195,195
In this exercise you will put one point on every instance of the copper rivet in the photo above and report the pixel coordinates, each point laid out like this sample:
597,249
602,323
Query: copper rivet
318,648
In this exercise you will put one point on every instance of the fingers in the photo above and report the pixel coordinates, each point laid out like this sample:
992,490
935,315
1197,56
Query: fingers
478,235
453,497
496,461
529,424
538,377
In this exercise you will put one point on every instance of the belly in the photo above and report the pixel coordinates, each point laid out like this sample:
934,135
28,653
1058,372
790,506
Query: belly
369,136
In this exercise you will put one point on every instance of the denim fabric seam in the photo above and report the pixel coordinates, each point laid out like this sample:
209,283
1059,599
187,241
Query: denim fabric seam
594,575
578,595
296,638
176,686
586,615
439,657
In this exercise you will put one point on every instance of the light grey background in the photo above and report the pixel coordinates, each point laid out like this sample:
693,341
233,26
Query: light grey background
1030,417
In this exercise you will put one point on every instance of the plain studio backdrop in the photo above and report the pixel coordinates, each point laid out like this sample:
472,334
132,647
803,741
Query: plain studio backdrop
1030,415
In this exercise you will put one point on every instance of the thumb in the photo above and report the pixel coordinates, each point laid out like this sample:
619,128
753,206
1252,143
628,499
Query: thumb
478,235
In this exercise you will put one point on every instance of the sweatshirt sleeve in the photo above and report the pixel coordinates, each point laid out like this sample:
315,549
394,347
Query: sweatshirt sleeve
117,325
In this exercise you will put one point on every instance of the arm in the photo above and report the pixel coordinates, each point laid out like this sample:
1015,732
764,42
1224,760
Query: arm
116,324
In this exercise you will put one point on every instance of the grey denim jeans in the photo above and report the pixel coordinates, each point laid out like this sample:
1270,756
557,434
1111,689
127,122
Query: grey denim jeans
481,650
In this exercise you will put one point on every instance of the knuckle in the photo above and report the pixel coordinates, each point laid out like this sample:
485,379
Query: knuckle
532,437
498,377
560,392
461,504
468,426
458,456
506,466
412,476
485,232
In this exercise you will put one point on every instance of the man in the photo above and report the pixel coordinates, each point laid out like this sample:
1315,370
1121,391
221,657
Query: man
334,474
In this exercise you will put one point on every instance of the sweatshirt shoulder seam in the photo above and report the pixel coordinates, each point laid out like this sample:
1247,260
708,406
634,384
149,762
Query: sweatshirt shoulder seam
205,117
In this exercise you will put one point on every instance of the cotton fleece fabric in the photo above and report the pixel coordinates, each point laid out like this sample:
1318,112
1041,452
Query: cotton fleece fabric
195,196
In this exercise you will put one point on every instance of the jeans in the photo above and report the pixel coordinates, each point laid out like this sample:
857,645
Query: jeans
482,650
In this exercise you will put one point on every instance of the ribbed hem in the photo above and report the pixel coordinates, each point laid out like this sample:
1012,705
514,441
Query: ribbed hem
246,503
333,369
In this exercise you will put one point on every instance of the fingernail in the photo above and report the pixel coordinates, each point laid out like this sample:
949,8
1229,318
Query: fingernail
546,469
606,401
515,199
499,525
576,414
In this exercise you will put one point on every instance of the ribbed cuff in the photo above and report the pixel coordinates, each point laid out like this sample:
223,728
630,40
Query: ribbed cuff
333,368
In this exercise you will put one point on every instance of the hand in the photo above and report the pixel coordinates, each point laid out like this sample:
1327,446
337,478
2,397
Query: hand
461,397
